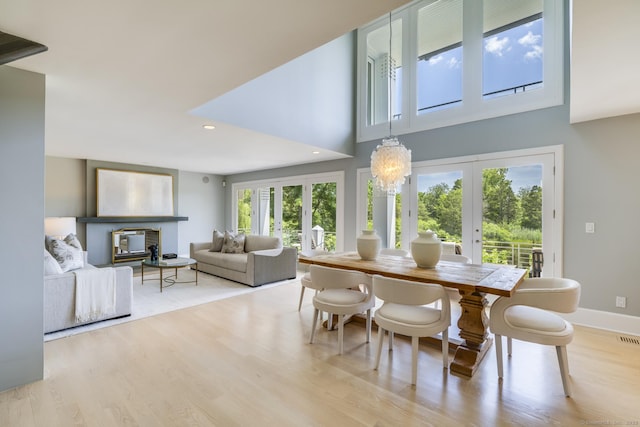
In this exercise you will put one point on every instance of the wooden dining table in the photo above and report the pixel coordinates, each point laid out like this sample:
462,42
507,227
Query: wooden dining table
473,282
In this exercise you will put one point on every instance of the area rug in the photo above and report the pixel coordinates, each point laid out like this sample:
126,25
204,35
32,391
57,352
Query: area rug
149,301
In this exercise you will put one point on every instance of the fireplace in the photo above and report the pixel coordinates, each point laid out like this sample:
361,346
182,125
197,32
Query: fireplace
132,244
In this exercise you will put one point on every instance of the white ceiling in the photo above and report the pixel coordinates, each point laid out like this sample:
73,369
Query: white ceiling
122,75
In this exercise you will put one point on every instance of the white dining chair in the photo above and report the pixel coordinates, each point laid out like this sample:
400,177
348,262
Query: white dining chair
528,315
343,292
395,252
305,281
404,311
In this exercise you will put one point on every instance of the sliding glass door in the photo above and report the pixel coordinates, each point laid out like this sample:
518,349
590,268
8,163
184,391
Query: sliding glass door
306,212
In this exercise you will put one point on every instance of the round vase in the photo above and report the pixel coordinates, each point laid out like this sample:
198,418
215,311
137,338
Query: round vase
368,245
426,249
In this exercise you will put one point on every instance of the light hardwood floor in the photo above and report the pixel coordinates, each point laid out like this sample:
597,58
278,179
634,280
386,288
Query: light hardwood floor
246,361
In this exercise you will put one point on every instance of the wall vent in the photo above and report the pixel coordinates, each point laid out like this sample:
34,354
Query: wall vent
629,339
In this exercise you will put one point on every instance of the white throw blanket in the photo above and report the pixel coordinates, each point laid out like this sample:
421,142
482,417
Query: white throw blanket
95,293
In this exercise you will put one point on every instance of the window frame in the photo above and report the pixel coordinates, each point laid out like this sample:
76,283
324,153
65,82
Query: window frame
473,107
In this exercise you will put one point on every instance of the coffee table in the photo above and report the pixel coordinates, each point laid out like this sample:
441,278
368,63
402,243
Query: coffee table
173,263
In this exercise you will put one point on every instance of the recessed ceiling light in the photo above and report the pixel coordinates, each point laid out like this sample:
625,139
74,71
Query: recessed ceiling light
315,152
209,127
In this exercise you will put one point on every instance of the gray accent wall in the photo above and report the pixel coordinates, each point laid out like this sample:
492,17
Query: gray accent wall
66,190
22,99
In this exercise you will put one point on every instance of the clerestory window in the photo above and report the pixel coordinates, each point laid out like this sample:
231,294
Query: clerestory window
475,59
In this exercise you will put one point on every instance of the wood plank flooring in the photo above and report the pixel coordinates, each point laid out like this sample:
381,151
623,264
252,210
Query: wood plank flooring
246,361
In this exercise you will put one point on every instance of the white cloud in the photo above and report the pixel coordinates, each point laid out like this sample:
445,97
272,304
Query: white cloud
530,39
453,63
435,60
534,53
496,45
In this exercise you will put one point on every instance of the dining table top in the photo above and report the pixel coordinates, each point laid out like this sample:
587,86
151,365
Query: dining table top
495,279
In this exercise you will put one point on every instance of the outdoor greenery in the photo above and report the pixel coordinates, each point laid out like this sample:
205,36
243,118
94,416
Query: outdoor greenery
510,219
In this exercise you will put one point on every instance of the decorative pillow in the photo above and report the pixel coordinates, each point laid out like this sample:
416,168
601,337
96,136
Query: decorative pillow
233,243
69,257
51,266
218,240
72,240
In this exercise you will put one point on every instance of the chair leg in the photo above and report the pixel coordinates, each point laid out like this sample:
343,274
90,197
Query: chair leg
564,369
499,353
414,360
390,340
329,321
379,351
301,297
313,325
509,346
445,348
368,325
340,334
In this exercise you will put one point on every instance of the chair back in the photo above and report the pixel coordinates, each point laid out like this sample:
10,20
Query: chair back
394,252
404,292
336,278
455,258
561,295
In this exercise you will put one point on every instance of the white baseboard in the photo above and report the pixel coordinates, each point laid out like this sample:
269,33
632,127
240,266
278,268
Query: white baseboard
614,322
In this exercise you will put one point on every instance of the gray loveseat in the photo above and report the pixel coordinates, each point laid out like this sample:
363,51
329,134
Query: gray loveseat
59,299
264,260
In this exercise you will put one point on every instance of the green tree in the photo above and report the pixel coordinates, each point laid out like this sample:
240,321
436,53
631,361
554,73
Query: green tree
500,204
531,203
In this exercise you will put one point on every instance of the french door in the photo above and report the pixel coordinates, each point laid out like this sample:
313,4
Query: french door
306,212
496,208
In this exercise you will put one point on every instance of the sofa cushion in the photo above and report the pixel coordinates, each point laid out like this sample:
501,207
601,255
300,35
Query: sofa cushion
217,241
51,266
235,262
255,242
233,243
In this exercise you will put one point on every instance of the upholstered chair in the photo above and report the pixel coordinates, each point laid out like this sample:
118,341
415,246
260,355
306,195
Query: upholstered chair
343,293
529,315
404,311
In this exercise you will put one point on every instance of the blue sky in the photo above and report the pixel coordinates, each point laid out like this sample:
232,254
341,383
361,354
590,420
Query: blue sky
510,58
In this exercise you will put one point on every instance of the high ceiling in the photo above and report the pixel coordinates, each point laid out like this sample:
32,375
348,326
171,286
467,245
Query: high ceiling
123,75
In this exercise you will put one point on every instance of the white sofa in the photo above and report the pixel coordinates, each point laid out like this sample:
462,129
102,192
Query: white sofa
264,260
59,298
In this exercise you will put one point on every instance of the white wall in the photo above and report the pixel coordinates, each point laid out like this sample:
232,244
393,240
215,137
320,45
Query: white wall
202,200
22,96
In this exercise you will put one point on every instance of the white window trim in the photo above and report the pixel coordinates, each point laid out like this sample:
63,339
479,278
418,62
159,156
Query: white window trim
473,107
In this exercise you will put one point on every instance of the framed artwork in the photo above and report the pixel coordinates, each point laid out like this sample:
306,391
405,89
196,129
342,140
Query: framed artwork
133,194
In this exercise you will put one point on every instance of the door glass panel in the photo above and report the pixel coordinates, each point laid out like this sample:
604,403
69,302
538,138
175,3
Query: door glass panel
292,216
440,204
323,216
244,210
511,214
265,212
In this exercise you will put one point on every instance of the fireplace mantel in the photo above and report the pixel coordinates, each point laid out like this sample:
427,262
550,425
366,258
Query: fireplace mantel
123,219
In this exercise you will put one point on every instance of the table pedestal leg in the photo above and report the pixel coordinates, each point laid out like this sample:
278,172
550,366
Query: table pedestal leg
473,330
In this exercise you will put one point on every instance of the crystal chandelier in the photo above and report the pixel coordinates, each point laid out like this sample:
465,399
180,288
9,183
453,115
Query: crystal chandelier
390,161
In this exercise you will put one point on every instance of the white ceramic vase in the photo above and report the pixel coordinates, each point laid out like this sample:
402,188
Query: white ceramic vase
426,249
368,245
